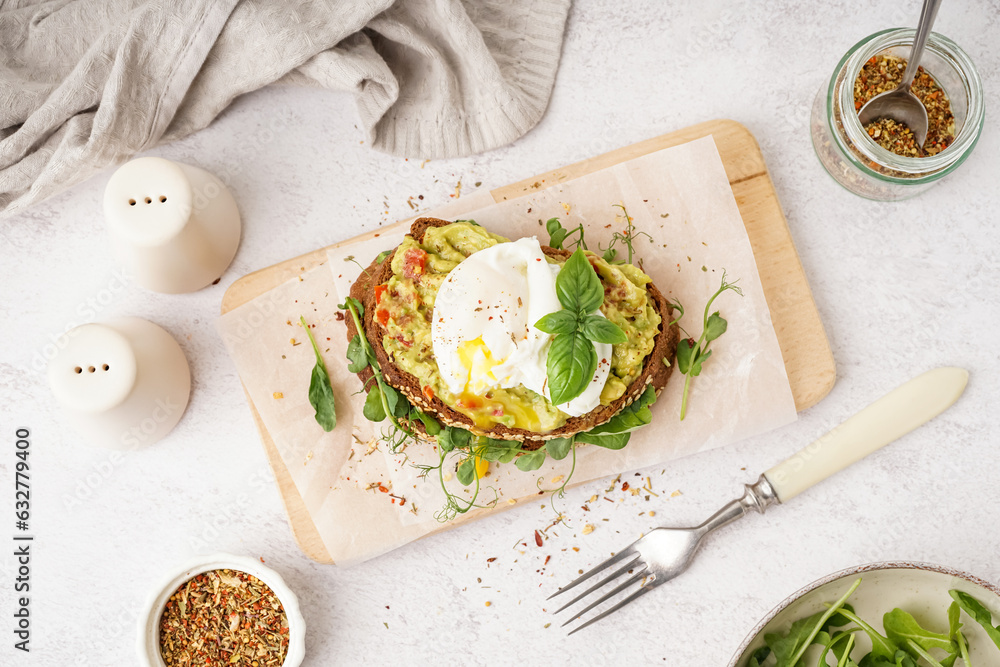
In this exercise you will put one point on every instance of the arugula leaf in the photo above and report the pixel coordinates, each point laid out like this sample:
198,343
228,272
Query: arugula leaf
979,613
759,656
320,389
570,366
883,648
902,628
601,330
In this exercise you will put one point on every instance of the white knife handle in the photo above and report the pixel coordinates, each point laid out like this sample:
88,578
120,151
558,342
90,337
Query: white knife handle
890,417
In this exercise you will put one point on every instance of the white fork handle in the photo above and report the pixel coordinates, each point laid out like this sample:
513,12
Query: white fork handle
890,417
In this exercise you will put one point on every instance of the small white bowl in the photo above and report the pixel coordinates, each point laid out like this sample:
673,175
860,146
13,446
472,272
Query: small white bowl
919,588
148,644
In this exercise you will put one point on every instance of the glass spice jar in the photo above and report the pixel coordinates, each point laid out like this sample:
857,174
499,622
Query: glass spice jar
861,165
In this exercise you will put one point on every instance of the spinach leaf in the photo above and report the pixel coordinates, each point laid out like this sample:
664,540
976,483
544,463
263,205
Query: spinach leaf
635,415
979,613
320,389
609,441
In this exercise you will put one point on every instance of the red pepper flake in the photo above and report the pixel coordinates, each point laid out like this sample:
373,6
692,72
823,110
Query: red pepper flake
383,489
624,486
538,538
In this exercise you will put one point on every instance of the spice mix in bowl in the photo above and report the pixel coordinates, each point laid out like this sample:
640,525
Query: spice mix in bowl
222,610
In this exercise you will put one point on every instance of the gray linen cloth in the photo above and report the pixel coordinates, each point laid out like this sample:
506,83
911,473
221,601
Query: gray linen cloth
85,84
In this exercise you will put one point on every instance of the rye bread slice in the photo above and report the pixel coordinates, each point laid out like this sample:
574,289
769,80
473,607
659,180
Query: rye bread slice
654,371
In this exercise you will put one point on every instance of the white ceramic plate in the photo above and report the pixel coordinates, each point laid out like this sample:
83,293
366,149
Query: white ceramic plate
148,644
919,588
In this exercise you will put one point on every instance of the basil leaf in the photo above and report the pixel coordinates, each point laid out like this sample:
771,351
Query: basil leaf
635,415
466,472
610,441
602,330
979,613
373,409
356,355
715,327
570,366
320,390
530,460
559,322
558,448
577,285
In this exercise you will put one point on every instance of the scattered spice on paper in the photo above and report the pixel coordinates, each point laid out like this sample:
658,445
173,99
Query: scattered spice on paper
224,617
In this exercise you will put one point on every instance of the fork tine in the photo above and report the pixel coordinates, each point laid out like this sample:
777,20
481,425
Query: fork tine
641,574
628,566
628,551
638,593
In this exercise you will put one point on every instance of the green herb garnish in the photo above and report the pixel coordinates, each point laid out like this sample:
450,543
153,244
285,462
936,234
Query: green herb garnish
905,644
628,237
320,388
691,353
572,359
559,234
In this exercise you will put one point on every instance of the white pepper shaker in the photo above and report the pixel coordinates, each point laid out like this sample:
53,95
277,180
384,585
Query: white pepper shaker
123,384
173,226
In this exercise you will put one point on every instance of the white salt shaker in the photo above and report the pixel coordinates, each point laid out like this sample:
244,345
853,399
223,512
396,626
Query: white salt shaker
173,226
123,384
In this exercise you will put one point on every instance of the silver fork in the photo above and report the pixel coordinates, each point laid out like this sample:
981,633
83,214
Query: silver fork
662,554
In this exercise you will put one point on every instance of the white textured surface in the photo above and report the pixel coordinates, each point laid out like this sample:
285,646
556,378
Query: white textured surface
901,288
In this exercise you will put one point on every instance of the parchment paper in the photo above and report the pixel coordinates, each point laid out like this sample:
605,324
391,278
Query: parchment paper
366,501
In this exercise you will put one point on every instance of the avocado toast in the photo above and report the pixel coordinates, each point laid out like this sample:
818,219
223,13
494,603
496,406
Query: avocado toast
398,291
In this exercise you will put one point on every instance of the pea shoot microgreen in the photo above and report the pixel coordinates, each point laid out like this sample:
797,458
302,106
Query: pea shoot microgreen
691,353
558,235
627,238
903,641
572,359
320,388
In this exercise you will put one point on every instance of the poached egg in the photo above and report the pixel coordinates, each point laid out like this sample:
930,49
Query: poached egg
483,333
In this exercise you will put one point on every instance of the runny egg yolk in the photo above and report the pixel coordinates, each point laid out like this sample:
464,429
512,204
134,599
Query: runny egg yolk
478,402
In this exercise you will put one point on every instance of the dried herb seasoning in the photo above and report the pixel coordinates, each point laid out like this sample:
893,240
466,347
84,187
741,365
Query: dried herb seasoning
223,617
883,72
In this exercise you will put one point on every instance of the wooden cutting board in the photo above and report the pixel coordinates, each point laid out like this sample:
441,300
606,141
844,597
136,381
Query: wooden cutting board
804,346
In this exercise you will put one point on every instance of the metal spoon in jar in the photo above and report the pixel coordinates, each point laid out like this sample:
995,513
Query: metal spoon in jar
899,103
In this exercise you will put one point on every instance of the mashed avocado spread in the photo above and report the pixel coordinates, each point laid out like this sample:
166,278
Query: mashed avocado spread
405,306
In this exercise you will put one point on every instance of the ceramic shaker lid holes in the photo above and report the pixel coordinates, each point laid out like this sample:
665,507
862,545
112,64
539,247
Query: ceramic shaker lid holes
174,227
123,384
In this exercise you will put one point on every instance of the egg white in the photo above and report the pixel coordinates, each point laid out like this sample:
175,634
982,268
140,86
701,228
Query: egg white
483,332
